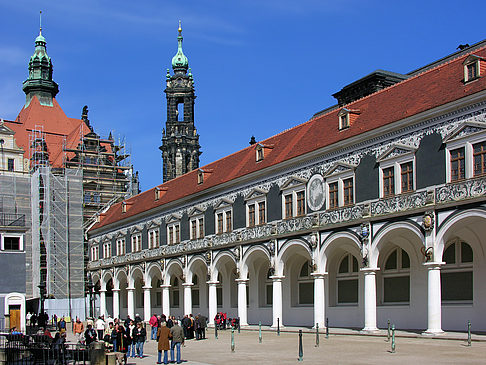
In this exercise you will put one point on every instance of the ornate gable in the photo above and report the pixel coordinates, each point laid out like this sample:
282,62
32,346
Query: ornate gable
293,181
223,204
256,193
395,151
174,218
465,129
195,211
339,168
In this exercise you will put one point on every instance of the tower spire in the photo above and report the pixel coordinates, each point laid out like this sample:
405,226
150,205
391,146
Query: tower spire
40,83
179,61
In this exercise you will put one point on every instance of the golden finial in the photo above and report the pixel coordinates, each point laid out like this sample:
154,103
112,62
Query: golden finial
180,27
40,22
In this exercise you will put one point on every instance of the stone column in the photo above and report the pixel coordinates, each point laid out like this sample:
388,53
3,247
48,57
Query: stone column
147,303
319,300
369,299
434,298
103,302
165,300
277,300
187,298
116,303
131,302
242,308
213,302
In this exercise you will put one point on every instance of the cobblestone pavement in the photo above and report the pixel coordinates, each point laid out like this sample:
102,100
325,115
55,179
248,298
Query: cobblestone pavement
347,347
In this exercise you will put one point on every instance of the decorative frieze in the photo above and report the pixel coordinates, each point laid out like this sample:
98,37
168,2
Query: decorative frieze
341,215
399,203
461,191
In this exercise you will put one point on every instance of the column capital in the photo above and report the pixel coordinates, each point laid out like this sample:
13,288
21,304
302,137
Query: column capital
115,289
147,287
277,278
165,286
318,275
433,265
130,288
210,283
369,270
187,284
242,281
103,290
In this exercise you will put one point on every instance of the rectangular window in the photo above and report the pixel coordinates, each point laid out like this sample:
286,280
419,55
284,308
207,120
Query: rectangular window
177,234
333,195
193,229
261,213
154,238
120,247
396,289
175,298
348,191
407,176
300,203
171,235
228,221
136,243
251,215
220,223
269,298
306,293
348,291
288,206
458,171
472,71
107,250
201,227
479,158
344,121
388,182
10,164
11,243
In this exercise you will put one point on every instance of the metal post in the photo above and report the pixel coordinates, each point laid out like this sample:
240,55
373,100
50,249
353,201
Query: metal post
239,326
301,350
327,328
278,326
469,333
232,340
216,331
317,334
388,333
393,339
259,332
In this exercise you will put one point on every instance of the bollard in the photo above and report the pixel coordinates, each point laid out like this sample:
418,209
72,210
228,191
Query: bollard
317,334
232,340
215,331
301,350
327,327
393,339
239,327
278,326
388,333
260,332
469,333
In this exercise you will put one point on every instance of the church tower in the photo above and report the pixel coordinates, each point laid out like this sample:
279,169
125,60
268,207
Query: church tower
39,82
180,141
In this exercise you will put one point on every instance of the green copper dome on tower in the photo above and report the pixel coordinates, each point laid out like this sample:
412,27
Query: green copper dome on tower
179,61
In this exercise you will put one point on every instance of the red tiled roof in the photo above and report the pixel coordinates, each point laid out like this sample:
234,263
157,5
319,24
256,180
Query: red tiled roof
430,89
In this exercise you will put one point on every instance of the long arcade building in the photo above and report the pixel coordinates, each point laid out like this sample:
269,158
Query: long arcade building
374,209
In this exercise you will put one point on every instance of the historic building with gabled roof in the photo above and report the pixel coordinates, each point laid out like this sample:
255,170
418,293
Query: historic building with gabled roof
373,209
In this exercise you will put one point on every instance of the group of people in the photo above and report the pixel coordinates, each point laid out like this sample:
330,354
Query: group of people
37,320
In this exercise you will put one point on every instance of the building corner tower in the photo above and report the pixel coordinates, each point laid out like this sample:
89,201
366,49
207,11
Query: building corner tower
180,141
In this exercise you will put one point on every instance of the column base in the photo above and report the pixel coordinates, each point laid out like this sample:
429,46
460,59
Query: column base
369,330
433,332
275,327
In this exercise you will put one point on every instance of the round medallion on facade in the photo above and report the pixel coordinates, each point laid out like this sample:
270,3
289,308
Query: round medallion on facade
316,195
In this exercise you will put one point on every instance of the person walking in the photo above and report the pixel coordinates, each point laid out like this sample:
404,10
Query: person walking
131,348
177,340
163,336
100,327
139,335
78,329
154,323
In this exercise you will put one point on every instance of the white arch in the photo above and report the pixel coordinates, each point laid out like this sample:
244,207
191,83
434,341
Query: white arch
446,227
106,275
152,270
133,272
246,257
329,245
380,239
169,269
289,246
190,267
220,256
118,276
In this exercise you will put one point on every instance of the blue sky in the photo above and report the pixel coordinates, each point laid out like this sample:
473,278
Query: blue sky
259,66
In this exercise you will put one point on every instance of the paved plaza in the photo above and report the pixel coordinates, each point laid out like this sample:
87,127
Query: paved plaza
345,348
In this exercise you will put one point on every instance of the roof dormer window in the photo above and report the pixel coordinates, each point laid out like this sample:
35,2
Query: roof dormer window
200,177
259,153
472,68
347,117
344,121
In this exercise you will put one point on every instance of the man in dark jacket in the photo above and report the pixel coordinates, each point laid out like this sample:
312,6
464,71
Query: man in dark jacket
186,323
89,334
177,340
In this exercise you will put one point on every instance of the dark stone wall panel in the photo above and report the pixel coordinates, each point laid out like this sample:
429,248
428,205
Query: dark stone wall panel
430,162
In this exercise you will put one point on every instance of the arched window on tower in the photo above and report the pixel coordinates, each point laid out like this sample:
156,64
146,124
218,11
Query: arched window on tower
180,110
457,273
396,277
347,280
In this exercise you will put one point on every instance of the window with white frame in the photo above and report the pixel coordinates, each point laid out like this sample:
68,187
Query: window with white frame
173,233
457,273
305,285
340,185
12,242
293,198
256,208
397,171
466,152
136,242
347,280
120,246
95,253
154,239
106,249
223,217
396,277
197,227
472,68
